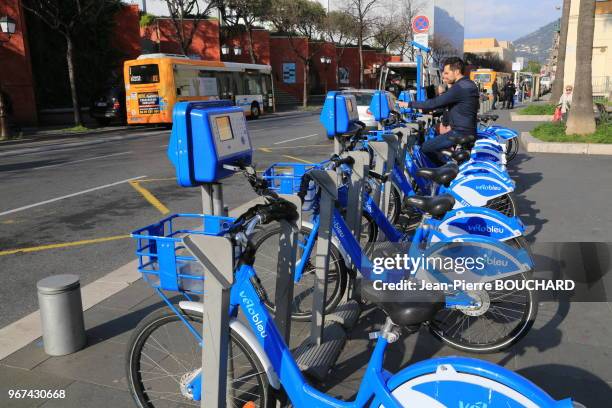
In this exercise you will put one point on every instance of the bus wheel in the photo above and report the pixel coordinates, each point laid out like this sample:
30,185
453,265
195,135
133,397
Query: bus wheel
255,112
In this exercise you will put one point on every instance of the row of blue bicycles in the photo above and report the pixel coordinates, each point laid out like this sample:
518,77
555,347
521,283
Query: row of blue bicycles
377,197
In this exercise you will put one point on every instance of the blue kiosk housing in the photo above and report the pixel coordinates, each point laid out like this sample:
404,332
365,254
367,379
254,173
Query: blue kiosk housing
205,136
339,114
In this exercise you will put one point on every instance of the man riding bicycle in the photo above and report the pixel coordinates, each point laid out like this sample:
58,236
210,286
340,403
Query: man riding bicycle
462,102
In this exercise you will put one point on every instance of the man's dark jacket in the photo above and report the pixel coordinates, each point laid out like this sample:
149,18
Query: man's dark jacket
462,101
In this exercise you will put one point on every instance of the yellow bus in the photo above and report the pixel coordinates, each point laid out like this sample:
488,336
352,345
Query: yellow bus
485,77
155,82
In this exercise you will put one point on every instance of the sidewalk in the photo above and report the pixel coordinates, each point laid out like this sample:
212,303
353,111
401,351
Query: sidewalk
566,353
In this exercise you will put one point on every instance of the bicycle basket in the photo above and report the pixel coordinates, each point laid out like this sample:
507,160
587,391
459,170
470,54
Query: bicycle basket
163,259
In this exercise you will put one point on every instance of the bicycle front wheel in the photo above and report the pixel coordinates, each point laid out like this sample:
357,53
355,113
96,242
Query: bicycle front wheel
163,356
265,243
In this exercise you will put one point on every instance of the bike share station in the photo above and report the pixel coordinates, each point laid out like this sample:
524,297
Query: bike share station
210,142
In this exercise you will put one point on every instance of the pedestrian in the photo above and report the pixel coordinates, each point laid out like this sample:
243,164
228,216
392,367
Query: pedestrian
495,91
565,102
509,91
462,102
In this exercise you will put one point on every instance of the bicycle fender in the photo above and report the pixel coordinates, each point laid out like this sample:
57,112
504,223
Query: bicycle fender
478,221
476,190
495,167
466,382
247,335
477,169
504,133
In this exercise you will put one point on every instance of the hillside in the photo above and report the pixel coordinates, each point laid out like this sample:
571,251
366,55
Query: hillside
537,45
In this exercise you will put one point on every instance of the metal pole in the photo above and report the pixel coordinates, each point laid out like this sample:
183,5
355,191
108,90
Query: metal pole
216,255
329,195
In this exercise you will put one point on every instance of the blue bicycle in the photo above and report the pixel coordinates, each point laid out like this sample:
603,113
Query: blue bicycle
483,321
163,360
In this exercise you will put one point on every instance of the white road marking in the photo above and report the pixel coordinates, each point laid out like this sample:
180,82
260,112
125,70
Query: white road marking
82,160
295,138
27,329
89,190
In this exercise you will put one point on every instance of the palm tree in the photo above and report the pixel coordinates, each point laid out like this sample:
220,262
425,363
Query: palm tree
581,118
557,87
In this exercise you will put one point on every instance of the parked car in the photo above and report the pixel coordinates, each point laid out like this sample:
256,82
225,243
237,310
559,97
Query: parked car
109,106
364,97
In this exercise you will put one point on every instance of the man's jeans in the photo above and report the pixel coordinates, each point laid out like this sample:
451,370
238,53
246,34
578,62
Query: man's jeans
432,147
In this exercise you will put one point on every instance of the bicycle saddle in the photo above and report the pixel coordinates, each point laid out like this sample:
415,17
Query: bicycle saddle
462,140
405,308
461,156
488,116
436,206
441,175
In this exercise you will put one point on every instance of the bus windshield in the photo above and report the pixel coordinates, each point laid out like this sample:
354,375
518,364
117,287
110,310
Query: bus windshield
482,78
144,74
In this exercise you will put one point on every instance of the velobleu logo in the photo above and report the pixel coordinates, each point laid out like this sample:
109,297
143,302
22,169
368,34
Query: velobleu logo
249,305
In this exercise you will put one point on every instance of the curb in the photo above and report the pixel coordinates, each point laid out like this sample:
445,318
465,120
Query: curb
533,145
22,332
27,329
515,117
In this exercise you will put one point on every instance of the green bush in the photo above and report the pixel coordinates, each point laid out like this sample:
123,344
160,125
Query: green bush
555,132
546,109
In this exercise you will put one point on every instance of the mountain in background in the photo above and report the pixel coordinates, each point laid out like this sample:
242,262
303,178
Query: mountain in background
537,45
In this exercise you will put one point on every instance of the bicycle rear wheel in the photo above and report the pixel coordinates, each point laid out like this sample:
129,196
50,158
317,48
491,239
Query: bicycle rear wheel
163,356
512,148
504,318
503,204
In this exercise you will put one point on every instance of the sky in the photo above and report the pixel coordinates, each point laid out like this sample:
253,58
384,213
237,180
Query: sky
508,19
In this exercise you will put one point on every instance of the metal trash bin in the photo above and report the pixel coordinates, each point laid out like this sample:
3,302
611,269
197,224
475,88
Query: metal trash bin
61,314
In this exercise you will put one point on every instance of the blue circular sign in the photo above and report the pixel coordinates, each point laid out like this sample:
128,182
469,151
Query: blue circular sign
420,24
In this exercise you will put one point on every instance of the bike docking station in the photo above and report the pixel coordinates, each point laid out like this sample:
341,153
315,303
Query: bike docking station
209,143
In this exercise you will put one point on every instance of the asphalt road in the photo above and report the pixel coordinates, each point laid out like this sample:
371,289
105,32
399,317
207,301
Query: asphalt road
101,204
560,198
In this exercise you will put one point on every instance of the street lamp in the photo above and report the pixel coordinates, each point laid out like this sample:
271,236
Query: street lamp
326,61
237,50
7,26
224,49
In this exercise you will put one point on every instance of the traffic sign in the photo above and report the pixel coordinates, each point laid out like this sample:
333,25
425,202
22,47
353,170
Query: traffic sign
420,24
422,39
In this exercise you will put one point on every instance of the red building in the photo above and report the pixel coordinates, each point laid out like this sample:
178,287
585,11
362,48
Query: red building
287,56
16,79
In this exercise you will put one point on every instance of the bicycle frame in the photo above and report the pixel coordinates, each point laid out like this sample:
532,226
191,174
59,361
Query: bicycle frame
243,295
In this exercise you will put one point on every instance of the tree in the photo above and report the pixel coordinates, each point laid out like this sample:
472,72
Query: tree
409,9
181,10
558,83
69,18
339,30
241,15
361,11
299,18
534,67
441,49
581,119
387,32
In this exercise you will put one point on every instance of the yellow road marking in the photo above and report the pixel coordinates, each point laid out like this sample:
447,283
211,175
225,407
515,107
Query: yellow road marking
149,197
159,179
265,149
62,245
296,159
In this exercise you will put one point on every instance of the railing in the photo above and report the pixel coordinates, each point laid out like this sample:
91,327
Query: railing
602,85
